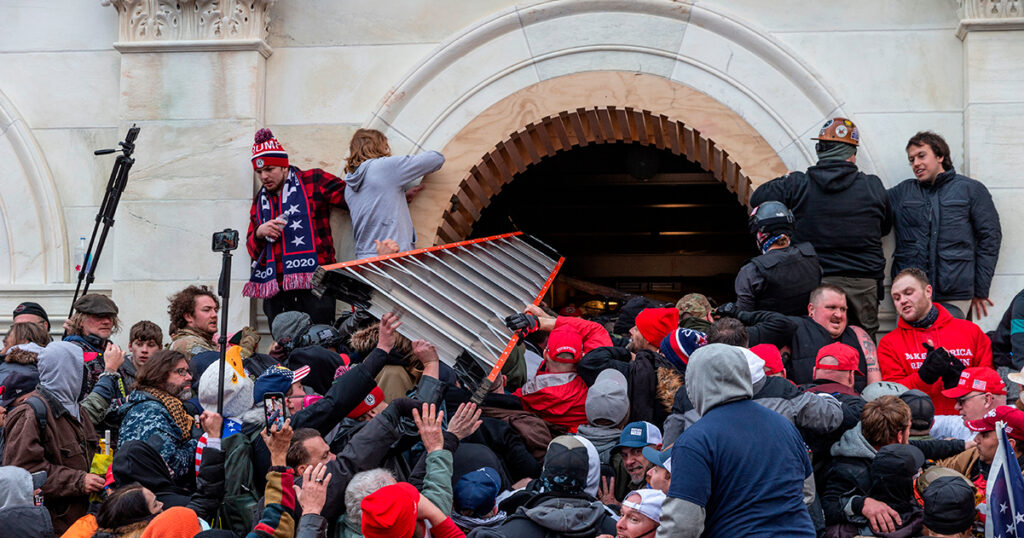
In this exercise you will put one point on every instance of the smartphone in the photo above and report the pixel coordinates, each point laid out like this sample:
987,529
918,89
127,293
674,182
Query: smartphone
274,409
38,479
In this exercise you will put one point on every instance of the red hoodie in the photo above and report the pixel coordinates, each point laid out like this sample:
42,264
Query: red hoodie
901,352
562,398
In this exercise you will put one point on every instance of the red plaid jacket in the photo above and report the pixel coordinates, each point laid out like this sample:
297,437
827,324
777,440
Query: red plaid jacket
323,191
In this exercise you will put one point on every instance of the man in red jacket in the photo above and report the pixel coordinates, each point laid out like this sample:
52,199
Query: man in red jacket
557,394
930,348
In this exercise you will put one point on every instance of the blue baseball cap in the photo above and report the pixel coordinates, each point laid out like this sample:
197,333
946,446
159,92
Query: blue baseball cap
476,491
639,434
662,458
277,378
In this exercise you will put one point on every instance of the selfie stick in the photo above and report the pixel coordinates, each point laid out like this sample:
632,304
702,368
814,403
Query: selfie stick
224,290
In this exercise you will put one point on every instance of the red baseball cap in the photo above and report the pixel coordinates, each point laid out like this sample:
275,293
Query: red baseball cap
1013,417
838,356
772,358
390,511
565,340
977,378
373,399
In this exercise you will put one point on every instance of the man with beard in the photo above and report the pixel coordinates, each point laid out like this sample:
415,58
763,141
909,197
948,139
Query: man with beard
628,456
156,407
826,324
193,313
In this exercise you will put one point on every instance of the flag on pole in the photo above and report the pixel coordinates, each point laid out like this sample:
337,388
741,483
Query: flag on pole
1005,492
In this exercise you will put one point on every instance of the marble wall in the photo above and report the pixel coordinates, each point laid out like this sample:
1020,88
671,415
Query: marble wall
423,71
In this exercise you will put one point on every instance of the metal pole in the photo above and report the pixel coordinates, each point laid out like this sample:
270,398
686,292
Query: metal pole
223,289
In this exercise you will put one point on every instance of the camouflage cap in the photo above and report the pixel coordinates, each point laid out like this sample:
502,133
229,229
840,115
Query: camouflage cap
96,305
694,304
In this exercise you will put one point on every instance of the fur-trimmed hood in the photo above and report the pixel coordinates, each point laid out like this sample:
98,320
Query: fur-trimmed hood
22,356
669,382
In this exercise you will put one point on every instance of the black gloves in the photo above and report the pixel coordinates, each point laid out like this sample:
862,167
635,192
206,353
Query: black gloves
938,363
404,406
728,310
522,323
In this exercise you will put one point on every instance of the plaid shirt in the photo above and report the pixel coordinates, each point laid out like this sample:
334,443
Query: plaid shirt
322,190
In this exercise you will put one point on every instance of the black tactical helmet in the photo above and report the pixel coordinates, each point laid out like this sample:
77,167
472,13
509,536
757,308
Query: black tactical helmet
770,218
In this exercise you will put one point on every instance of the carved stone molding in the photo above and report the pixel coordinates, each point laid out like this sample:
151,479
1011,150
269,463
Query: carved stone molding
192,25
990,15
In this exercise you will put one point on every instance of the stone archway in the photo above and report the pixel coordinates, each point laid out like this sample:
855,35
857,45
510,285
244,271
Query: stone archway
31,219
566,130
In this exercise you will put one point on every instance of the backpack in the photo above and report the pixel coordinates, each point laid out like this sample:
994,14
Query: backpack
241,500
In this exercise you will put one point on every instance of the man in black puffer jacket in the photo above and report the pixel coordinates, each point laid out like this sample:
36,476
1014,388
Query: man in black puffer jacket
843,213
947,226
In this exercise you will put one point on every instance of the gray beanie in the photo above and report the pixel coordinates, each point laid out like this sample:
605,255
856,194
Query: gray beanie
289,325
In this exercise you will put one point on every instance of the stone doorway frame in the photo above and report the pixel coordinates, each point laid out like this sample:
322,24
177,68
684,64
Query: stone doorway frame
567,130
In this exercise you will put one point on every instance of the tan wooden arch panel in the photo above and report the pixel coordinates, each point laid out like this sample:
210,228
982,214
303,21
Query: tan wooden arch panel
586,108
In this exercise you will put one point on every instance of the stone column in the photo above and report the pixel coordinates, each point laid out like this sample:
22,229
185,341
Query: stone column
993,36
193,78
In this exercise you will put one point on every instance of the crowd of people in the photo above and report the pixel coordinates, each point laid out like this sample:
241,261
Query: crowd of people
778,413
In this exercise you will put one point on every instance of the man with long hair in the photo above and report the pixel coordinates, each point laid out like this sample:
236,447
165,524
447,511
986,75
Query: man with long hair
290,232
375,189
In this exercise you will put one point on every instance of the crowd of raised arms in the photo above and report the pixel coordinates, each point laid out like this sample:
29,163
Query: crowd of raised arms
778,412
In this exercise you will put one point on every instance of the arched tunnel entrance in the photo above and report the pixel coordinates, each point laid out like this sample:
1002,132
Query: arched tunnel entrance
628,218
638,203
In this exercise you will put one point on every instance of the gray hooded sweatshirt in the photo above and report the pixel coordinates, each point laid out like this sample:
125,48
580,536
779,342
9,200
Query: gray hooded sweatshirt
375,195
15,487
60,373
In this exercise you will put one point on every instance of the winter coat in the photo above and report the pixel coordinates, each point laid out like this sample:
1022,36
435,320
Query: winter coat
137,461
375,193
557,398
1008,338
66,455
534,431
901,353
546,515
950,229
21,359
840,210
144,416
190,342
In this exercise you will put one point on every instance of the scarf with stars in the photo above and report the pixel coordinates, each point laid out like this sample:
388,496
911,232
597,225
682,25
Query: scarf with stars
296,246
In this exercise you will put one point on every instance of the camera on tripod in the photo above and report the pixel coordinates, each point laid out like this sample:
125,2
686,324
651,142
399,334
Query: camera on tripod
225,241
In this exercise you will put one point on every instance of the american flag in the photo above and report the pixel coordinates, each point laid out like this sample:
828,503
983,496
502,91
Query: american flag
1005,495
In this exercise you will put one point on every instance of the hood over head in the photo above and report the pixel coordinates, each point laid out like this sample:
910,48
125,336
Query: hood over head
593,467
61,368
717,374
15,487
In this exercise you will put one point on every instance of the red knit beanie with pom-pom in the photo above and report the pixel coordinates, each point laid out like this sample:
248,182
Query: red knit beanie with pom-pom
267,151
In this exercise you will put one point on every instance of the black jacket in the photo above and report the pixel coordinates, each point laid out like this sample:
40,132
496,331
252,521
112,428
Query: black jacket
840,210
137,461
950,229
1008,338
